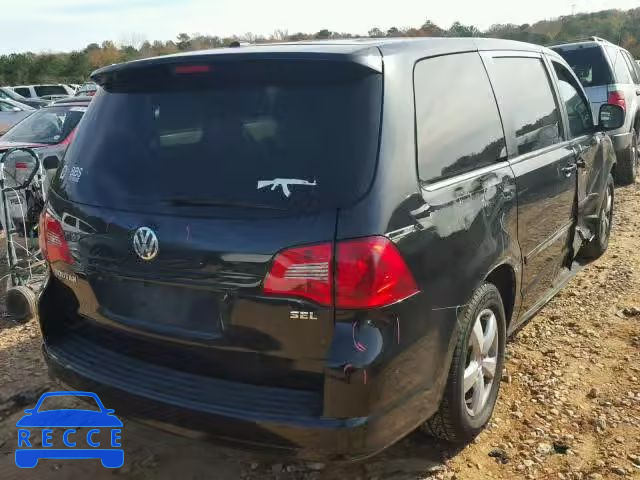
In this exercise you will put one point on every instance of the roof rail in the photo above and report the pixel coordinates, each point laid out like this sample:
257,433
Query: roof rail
578,40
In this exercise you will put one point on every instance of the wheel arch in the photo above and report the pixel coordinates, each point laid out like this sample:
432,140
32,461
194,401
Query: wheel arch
503,277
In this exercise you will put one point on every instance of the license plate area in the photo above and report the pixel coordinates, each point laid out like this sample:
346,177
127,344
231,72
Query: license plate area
164,309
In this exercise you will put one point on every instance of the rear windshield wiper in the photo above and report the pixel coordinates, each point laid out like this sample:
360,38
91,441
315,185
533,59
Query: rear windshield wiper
194,202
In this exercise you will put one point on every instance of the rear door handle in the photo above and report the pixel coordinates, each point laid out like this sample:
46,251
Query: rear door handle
569,169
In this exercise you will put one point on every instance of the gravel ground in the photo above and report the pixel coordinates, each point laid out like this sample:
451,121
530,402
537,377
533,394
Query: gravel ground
569,406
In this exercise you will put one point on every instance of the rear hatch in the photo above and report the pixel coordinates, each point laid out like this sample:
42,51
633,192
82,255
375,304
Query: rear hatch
590,65
180,188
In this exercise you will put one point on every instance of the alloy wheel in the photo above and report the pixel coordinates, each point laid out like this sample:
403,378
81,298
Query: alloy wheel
482,362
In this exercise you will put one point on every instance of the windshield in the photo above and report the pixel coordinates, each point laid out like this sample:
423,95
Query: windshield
47,126
298,143
589,64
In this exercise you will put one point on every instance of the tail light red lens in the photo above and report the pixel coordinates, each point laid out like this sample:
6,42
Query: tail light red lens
617,98
303,272
53,245
369,273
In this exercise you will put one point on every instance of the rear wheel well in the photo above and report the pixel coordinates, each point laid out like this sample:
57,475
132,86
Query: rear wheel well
504,278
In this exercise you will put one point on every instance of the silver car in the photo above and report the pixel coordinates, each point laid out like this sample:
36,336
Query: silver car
11,112
610,74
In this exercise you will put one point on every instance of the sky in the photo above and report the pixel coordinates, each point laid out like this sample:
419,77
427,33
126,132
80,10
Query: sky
65,25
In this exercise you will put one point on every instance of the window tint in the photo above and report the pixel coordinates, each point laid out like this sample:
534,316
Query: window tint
619,65
289,136
458,124
589,64
25,92
44,90
3,95
633,66
578,110
524,88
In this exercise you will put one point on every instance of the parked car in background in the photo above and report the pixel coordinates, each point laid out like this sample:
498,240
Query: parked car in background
11,112
323,274
7,92
49,132
79,100
610,74
47,92
87,89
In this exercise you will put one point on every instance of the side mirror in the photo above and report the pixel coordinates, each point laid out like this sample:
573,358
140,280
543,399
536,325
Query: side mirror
50,163
16,109
19,166
611,117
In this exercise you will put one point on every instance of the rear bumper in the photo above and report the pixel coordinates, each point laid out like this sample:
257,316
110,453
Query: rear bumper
268,425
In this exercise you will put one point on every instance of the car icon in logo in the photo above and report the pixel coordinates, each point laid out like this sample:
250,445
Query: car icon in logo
68,419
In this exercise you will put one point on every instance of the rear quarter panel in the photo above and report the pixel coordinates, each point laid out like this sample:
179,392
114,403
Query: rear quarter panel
452,235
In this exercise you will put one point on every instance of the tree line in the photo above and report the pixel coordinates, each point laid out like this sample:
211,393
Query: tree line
621,27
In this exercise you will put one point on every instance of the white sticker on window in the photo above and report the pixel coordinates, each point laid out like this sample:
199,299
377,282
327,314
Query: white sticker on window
76,173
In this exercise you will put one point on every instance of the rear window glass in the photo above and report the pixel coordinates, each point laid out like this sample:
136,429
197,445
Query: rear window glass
49,125
589,65
276,137
44,90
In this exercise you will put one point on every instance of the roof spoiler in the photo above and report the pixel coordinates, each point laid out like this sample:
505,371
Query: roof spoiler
158,67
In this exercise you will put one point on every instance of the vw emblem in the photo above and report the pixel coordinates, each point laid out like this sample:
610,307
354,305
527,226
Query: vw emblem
145,243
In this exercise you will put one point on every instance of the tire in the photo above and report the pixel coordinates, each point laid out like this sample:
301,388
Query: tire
600,242
627,165
21,304
459,419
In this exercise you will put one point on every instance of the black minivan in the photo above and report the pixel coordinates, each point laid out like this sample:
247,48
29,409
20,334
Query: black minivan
319,247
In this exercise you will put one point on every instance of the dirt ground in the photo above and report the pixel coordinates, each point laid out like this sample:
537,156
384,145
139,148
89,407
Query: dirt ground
569,406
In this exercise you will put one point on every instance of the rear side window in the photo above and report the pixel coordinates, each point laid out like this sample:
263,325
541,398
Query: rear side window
275,134
619,65
25,92
632,66
44,90
589,64
525,90
458,124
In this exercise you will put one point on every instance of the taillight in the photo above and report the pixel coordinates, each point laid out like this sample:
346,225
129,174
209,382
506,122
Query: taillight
53,245
369,273
617,98
302,272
